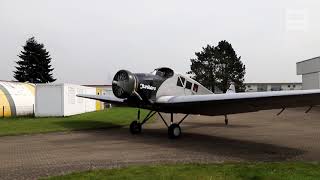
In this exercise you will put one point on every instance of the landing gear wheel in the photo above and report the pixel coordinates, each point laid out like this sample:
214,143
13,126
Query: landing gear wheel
135,127
174,131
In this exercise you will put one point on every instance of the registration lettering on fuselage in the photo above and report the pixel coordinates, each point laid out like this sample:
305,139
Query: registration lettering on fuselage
143,86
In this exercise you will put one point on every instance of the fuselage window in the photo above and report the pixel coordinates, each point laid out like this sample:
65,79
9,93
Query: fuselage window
188,85
181,81
195,87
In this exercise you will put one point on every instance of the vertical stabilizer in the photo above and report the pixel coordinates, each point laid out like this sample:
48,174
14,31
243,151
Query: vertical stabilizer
231,88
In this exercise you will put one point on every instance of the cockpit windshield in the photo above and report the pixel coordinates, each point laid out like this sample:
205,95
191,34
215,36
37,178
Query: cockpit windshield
163,72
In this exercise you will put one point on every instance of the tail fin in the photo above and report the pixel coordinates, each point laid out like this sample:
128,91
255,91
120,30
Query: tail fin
231,88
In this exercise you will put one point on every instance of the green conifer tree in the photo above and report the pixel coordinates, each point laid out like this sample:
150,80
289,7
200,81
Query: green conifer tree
34,64
216,67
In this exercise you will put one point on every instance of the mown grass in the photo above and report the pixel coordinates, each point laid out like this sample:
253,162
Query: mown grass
117,116
232,171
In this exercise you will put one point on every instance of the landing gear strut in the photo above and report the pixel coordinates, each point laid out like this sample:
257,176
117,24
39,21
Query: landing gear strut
226,121
174,130
136,126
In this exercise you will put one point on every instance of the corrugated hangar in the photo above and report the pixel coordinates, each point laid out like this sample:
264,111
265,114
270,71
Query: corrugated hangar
310,71
16,99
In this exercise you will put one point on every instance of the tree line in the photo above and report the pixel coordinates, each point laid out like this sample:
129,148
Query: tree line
215,67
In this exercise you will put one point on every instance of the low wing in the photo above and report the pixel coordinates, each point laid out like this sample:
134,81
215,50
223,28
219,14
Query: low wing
107,99
221,104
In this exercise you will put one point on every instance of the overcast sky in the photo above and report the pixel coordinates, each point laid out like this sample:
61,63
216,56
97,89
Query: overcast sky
90,40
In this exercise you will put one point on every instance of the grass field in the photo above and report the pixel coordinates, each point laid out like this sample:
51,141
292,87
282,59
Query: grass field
117,116
233,171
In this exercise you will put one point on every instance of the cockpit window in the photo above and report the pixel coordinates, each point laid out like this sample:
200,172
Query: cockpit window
188,85
160,73
181,81
164,72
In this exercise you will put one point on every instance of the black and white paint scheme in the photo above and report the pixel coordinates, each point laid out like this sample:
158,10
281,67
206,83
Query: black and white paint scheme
165,91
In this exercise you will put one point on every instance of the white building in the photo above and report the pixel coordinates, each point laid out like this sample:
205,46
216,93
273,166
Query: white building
260,87
61,100
310,71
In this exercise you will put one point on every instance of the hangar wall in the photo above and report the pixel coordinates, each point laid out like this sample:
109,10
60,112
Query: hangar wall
310,81
16,99
310,71
61,100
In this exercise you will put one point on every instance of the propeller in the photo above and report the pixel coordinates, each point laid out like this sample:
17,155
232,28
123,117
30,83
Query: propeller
125,84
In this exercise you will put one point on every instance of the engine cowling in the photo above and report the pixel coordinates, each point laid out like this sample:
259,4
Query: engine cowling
124,84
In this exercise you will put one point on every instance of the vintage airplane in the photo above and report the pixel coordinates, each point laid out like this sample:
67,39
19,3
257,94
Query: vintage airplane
164,91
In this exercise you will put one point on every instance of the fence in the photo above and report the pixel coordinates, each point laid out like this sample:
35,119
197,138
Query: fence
16,111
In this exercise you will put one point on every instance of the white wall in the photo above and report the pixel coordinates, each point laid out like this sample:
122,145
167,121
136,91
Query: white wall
90,105
61,100
49,100
285,87
251,88
269,87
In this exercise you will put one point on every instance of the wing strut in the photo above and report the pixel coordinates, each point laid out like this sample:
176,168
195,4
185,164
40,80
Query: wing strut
309,109
281,111
136,125
163,119
183,119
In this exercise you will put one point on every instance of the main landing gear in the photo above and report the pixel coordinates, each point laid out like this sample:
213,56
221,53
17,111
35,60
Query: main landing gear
226,121
136,126
174,130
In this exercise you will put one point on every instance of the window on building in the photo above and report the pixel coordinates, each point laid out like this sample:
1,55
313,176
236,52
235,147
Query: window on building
294,86
195,87
288,86
188,85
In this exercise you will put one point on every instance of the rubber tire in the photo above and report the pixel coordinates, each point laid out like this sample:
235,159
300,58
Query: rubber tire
135,127
172,131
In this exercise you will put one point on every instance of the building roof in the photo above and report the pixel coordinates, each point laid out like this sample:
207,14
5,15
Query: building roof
308,66
98,85
7,81
277,83
309,59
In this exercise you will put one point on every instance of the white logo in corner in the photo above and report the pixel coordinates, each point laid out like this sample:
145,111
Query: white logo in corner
143,86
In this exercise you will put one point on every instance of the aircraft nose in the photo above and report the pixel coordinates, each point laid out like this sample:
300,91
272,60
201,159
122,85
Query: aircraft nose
123,84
